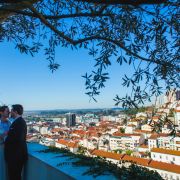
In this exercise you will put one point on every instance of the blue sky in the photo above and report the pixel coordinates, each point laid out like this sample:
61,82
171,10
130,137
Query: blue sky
27,80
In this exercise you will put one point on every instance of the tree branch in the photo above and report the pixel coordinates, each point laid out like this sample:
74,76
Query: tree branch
125,49
44,21
50,17
122,47
124,2
7,10
76,42
13,1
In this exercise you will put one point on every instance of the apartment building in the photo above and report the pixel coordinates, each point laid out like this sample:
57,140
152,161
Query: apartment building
164,141
125,141
165,155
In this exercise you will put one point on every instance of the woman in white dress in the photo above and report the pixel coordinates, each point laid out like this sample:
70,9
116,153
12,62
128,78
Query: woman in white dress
4,127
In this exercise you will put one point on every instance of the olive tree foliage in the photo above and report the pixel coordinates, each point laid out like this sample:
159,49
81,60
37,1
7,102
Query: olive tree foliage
143,34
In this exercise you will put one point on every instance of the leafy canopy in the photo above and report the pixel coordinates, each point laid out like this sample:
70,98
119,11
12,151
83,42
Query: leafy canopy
143,34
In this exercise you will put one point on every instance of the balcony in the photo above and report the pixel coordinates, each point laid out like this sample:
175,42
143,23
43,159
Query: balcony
43,166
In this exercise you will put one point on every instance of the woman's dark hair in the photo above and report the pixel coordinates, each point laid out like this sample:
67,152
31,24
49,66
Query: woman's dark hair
18,108
2,109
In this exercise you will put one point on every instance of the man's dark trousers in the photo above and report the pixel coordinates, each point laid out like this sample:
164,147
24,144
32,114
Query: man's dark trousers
16,148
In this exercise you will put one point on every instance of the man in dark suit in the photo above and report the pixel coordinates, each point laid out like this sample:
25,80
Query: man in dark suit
15,144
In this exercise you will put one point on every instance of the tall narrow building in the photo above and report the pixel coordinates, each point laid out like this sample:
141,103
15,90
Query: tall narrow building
70,119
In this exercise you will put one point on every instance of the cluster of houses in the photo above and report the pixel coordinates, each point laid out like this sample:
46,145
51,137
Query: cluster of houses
122,139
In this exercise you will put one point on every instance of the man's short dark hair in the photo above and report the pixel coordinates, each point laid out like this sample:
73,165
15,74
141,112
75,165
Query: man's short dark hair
18,108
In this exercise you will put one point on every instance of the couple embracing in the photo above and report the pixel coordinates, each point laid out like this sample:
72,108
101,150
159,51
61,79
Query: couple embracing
13,148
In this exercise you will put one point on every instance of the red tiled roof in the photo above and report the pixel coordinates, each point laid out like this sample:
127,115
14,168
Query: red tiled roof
143,146
131,125
67,143
91,128
79,132
163,135
72,145
62,141
124,134
166,151
155,117
153,136
106,154
140,161
47,136
56,130
143,153
142,131
165,166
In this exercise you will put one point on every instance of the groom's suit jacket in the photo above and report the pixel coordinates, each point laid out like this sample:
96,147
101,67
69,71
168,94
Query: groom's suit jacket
15,144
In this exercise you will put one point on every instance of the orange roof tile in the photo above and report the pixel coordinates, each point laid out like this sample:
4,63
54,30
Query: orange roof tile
67,143
166,151
153,164
163,135
79,132
62,141
142,131
56,130
143,153
140,161
91,128
131,125
153,136
156,117
124,134
107,154
143,146
72,145
165,166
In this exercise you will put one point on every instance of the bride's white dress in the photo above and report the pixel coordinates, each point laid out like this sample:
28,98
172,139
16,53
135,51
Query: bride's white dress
3,172
2,163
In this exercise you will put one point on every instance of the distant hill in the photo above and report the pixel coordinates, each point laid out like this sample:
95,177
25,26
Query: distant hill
78,111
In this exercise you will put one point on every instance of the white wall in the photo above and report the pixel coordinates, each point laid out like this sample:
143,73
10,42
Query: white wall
167,158
38,170
167,175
